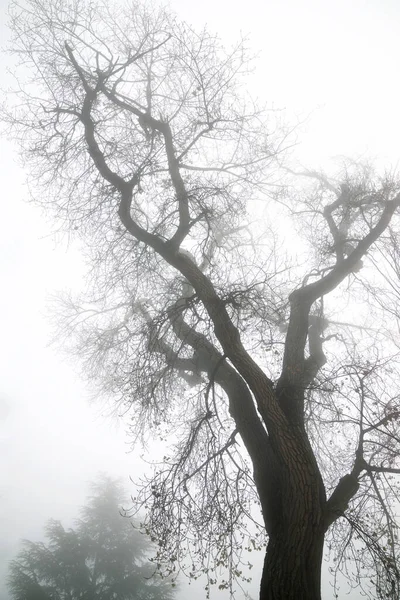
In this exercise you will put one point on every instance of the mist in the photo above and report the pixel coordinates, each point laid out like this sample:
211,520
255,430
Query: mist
333,68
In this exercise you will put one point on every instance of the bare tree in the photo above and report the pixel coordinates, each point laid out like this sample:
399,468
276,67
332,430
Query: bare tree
270,380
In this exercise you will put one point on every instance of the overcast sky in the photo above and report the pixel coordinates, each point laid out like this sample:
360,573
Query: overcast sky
334,62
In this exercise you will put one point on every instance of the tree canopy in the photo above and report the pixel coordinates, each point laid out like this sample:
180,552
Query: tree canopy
103,557
238,308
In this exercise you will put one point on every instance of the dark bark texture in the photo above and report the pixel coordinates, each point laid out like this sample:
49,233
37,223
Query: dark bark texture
295,500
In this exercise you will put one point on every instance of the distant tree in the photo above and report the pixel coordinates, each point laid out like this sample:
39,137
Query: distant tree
250,324
102,558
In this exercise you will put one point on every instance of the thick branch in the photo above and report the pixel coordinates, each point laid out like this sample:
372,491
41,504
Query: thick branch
291,382
208,359
164,128
94,150
328,283
381,469
77,68
229,338
241,408
180,190
345,490
338,503
317,358
338,240
290,386
125,187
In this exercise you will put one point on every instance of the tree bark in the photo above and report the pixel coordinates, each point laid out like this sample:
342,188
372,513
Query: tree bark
294,498
292,566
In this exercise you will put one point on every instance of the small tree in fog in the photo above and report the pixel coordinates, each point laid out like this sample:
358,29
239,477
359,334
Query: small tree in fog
103,557
250,326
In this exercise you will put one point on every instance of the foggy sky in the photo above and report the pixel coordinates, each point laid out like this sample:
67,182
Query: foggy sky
332,65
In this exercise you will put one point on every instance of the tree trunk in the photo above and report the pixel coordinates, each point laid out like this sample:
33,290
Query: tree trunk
293,502
292,567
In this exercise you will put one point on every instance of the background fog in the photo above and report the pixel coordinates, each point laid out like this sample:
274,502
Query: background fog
333,66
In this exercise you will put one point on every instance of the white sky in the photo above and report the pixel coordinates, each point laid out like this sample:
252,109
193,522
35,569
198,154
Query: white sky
337,61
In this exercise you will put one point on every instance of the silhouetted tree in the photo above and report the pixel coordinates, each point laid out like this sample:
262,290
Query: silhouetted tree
273,374
103,557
